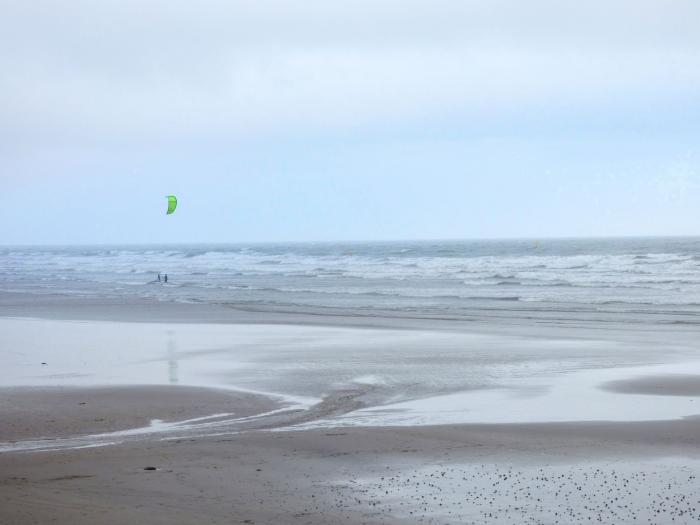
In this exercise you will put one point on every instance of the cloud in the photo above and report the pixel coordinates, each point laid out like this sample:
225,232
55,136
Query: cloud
127,70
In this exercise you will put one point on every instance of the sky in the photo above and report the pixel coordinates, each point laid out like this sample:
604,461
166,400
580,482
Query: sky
362,120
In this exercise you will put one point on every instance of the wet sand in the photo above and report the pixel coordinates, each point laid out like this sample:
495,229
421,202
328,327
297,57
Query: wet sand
570,473
231,456
53,412
524,321
687,385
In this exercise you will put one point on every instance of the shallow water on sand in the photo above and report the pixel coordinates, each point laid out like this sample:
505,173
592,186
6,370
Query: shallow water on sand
339,376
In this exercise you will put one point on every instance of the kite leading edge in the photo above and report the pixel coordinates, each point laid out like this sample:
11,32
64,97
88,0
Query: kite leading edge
172,203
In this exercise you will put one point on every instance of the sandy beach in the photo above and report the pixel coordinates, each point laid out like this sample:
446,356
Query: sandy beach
166,413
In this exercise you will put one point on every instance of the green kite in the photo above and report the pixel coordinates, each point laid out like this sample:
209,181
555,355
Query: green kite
172,203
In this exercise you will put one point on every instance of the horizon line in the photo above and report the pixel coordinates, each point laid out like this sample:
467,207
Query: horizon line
362,241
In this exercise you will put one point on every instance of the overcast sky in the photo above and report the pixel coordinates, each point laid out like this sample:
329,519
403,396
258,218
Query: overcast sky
322,120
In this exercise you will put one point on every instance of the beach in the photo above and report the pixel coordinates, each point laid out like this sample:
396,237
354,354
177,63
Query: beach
275,417
361,263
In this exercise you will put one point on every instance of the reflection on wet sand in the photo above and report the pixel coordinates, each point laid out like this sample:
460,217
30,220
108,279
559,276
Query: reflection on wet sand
172,358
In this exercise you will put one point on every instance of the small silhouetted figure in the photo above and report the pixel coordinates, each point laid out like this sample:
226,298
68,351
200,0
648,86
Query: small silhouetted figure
166,277
159,277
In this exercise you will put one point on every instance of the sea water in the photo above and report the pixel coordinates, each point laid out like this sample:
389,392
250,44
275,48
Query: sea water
428,277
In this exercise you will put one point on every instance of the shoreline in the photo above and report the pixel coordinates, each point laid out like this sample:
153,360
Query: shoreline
484,320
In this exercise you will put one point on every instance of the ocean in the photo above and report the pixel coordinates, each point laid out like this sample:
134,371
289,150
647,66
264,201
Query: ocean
630,275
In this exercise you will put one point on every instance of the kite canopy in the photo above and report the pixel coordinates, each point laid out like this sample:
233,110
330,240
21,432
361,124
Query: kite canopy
172,203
